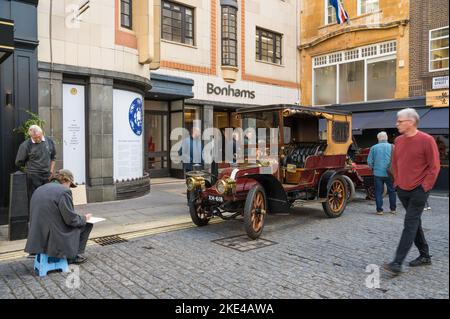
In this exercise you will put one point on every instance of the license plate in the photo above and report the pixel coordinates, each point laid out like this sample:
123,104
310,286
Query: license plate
215,198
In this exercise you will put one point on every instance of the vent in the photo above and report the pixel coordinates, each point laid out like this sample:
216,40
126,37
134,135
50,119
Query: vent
369,51
388,47
242,243
320,60
109,240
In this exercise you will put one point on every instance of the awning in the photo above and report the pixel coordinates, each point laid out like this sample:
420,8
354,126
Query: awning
388,119
435,121
170,88
6,39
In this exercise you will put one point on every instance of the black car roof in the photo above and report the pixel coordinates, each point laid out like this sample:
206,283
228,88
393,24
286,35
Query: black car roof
274,107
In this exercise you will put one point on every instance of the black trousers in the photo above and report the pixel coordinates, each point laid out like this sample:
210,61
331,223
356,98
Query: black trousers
414,203
84,236
34,181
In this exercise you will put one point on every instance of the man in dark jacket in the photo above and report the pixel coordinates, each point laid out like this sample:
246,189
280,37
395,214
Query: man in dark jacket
56,229
37,154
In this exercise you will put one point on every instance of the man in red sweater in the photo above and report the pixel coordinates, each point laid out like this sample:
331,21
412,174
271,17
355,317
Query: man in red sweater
415,166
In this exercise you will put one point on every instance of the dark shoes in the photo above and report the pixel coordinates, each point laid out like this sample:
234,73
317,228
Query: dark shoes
78,260
393,268
420,261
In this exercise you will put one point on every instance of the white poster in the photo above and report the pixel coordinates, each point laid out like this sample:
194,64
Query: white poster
128,135
74,134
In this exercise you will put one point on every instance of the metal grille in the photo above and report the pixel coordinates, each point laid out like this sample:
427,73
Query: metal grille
109,240
243,243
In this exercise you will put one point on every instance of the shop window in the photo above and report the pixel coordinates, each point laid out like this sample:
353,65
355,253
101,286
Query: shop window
442,144
351,82
177,23
126,14
381,79
439,49
325,85
229,36
268,46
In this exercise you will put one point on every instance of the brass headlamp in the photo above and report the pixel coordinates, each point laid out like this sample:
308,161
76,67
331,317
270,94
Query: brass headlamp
226,186
195,183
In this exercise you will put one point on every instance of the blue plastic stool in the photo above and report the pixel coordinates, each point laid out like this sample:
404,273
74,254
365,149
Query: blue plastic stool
43,264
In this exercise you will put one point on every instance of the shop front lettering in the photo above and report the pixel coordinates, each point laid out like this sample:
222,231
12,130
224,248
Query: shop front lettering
229,91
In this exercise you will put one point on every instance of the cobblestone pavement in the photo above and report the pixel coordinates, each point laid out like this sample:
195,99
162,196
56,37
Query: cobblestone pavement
311,257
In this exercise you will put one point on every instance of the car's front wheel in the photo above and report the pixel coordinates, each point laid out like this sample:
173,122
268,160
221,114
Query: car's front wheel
255,211
336,198
198,214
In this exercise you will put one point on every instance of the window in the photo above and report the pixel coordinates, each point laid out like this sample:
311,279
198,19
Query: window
268,46
363,74
126,14
341,132
325,85
381,78
368,6
177,23
439,49
330,12
351,82
229,36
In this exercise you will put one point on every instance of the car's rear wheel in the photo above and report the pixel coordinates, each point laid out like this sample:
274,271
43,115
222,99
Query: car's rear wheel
198,214
336,197
255,211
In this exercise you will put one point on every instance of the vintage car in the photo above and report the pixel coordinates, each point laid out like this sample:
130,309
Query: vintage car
312,166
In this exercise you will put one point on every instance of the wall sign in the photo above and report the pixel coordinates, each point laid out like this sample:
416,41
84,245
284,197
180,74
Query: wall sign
440,82
437,98
229,91
74,134
127,135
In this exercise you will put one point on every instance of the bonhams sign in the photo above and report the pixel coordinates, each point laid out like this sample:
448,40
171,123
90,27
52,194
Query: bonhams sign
229,91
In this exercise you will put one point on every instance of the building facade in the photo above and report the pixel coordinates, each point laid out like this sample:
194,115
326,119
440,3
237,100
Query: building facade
18,84
429,72
94,73
236,53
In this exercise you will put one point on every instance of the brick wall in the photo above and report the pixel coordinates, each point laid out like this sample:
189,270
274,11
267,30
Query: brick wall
424,16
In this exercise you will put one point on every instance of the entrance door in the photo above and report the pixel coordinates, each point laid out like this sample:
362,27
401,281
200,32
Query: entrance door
157,153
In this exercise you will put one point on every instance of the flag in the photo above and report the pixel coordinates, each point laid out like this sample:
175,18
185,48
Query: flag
341,14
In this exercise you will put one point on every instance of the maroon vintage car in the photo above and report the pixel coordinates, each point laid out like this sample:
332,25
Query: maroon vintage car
312,166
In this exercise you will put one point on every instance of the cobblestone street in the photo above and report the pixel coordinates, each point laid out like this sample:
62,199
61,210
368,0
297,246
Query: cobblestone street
306,256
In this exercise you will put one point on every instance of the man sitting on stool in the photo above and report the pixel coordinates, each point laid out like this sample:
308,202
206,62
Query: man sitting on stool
56,229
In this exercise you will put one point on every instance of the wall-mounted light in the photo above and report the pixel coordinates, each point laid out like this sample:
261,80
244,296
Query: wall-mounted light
8,100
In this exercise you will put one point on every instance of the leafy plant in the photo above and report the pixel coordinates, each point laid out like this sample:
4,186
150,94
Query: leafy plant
33,120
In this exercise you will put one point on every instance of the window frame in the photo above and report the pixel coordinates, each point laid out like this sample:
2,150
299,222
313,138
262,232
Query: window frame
359,6
430,50
339,128
326,11
225,36
129,15
184,23
259,52
384,51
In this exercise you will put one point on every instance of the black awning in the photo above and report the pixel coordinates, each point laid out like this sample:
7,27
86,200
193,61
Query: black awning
6,39
435,121
388,119
170,88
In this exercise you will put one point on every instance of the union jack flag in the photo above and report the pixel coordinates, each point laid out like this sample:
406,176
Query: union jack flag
341,14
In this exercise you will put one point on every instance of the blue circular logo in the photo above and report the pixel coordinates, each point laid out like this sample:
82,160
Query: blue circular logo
135,116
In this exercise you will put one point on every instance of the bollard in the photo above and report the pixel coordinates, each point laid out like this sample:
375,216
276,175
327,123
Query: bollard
18,206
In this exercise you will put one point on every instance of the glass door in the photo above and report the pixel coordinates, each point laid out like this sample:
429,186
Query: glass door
157,154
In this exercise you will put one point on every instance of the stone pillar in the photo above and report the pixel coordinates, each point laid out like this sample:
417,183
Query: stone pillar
50,88
100,137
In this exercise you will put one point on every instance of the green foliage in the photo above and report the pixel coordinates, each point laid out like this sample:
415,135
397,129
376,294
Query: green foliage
33,120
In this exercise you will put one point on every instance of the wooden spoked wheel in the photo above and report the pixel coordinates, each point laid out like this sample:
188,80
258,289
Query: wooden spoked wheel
337,197
255,211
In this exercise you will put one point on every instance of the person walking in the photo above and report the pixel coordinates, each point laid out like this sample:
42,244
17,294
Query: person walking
56,229
37,155
379,160
415,166
191,150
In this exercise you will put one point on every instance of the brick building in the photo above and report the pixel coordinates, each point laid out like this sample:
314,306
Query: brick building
428,75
